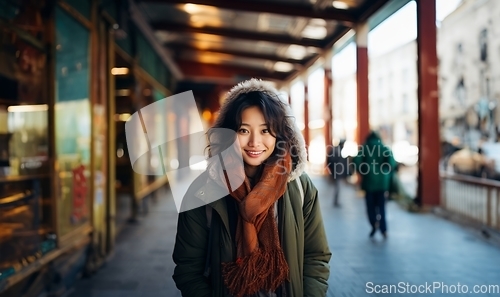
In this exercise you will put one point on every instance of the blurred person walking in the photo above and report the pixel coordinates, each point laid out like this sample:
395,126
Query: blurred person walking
338,169
374,163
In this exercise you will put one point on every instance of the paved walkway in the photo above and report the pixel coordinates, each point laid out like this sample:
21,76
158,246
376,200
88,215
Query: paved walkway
421,248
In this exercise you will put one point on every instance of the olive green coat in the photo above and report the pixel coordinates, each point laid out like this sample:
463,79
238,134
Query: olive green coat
303,241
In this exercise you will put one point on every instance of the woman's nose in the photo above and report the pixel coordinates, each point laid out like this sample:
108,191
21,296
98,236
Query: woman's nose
254,139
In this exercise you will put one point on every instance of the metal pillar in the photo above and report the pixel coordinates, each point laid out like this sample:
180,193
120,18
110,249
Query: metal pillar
328,102
306,113
428,193
362,82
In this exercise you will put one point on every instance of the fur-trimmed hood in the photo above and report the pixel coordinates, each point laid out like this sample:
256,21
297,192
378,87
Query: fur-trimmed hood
252,85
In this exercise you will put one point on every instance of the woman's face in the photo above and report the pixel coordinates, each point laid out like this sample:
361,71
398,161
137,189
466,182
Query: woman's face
255,139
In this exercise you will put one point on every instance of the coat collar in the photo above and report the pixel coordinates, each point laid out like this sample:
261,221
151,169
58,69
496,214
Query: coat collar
211,189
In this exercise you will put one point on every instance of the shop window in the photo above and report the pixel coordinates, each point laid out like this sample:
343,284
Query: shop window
483,45
82,6
26,226
111,8
72,122
151,62
9,9
405,104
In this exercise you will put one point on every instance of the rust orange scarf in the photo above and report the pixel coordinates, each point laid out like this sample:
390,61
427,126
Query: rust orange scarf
261,263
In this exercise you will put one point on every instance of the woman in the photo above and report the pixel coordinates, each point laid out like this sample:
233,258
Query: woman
264,239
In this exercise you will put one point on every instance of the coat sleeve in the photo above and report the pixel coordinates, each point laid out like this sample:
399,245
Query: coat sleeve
391,160
357,160
316,251
190,252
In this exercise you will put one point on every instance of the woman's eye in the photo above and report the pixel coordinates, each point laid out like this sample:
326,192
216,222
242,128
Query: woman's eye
243,131
265,131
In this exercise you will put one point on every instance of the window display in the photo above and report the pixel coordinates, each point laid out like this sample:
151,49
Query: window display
25,233
26,225
72,122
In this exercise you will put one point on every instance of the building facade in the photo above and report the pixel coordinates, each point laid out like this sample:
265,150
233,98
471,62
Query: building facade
468,50
71,73
393,94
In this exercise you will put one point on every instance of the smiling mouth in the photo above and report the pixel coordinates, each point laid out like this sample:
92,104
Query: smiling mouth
254,153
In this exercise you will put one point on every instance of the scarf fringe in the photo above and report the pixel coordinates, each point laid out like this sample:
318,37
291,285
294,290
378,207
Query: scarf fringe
261,270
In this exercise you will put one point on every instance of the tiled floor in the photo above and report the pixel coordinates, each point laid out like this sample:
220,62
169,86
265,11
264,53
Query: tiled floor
421,249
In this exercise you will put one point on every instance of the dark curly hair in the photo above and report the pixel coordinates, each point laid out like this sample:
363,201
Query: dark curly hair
274,111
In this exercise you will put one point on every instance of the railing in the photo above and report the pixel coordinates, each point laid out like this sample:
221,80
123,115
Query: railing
474,198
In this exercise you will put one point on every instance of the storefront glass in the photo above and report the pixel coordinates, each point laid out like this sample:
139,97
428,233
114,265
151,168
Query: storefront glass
72,122
26,227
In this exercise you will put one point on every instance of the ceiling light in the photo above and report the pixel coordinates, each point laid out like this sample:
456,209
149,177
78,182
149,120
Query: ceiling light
202,44
340,5
192,8
123,117
27,108
206,37
317,22
122,92
210,59
119,71
202,20
296,51
196,8
314,32
283,67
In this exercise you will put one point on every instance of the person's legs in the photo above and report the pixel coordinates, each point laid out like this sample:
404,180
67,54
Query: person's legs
336,191
380,204
370,209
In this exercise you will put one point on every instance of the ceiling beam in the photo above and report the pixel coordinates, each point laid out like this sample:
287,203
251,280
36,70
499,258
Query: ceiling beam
238,34
369,8
179,48
259,6
341,31
192,69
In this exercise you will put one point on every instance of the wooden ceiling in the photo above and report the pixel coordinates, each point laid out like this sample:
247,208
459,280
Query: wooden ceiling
226,41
